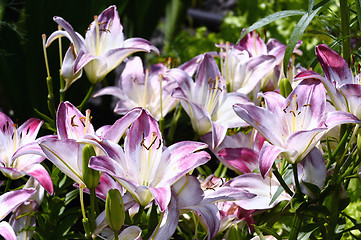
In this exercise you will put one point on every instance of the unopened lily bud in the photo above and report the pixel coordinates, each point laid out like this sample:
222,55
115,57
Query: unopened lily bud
114,210
285,87
91,177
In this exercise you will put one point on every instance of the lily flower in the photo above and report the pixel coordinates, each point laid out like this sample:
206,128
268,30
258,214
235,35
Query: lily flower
23,220
207,103
102,49
8,202
188,194
342,86
74,130
151,89
292,126
144,168
19,152
72,124
252,64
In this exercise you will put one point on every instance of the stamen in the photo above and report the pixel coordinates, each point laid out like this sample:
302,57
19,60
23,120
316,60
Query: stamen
97,33
45,55
60,49
72,121
154,138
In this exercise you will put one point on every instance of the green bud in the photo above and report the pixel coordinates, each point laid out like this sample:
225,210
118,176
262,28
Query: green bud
91,176
285,87
114,210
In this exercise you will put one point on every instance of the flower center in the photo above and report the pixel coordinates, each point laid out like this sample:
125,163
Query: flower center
295,118
213,94
149,156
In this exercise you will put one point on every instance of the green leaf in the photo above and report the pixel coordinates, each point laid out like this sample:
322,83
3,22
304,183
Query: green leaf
296,35
269,231
271,18
358,11
312,187
306,231
311,3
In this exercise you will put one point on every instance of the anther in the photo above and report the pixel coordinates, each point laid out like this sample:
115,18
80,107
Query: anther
294,114
72,121
81,120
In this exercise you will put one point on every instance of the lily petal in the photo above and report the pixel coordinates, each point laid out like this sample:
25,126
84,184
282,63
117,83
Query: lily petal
268,155
6,231
333,65
267,123
11,200
242,160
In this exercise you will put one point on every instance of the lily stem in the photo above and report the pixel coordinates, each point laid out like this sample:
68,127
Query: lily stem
86,99
8,184
173,126
92,209
297,220
281,181
297,182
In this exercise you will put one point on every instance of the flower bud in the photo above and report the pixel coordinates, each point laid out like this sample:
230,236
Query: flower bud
91,177
285,87
114,210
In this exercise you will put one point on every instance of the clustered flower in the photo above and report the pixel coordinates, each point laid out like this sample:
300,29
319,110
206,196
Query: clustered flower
234,106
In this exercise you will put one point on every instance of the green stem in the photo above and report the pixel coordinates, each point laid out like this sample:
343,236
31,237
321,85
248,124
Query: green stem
297,220
297,183
281,181
88,95
92,214
51,104
85,219
218,171
345,29
173,126
8,184
334,213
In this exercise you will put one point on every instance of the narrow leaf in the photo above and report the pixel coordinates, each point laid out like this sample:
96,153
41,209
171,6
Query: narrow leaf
271,18
311,3
296,35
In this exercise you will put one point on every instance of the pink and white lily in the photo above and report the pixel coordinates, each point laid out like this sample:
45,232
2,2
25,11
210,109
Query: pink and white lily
252,64
207,103
150,89
23,220
74,129
188,195
144,168
292,126
8,202
342,86
19,152
102,49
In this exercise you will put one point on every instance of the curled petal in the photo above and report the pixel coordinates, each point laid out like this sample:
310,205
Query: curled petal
243,160
333,65
11,200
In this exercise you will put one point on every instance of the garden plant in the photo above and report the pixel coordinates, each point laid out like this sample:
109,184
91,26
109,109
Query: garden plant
157,129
